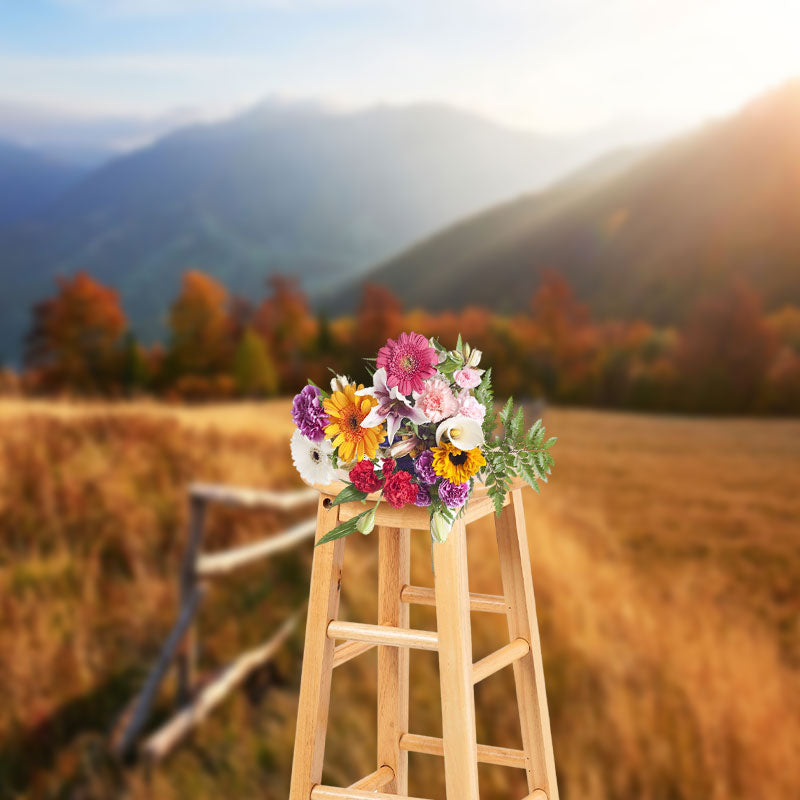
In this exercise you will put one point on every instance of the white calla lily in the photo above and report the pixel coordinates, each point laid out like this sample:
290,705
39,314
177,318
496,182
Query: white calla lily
461,431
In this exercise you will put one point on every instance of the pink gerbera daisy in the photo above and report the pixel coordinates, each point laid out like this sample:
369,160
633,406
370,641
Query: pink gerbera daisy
408,362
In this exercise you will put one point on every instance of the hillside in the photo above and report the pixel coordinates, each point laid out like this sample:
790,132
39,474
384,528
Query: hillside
30,182
665,587
715,205
286,188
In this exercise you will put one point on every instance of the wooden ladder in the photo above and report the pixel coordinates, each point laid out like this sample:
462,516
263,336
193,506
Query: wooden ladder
453,641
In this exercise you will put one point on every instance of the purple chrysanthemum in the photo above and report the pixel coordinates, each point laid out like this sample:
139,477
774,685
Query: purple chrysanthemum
423,497
308,413
454,495
423,466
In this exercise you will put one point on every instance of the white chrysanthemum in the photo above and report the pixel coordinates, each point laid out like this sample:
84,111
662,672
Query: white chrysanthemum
312,460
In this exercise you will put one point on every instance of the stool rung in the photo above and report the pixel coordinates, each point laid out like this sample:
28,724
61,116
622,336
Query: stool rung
349,650
375,780
320,792
383,634
423,596
433,746
536,794
494,662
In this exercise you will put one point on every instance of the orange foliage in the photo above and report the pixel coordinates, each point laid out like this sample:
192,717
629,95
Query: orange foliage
728,357
380,316
725,350
285,323
74,337
201,338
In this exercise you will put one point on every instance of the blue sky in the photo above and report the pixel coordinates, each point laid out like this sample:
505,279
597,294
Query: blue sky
551,65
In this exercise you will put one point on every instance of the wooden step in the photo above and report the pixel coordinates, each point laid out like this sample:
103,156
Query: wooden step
423,596
383,634
320,792
349,650
375,780
433,746
494,662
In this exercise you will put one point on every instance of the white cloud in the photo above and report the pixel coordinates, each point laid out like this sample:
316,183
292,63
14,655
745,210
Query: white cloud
556,66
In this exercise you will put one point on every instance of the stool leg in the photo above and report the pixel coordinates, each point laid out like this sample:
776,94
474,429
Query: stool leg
394,558
315,683
451,585
515,566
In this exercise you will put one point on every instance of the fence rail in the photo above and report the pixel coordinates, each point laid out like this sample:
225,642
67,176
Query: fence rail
180,646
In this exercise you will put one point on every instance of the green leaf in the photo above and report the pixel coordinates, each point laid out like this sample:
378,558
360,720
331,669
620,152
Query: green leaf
348,495
517,423
498,495
343,529
323,393
505,414
449,366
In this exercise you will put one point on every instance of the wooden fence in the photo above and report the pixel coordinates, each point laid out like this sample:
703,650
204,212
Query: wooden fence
180,647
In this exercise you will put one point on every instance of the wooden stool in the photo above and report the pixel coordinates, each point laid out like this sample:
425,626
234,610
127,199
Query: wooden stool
453,641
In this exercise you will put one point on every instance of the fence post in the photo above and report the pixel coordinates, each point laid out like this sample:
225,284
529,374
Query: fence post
186,661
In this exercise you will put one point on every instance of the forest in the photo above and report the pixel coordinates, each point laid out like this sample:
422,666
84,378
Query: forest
728,356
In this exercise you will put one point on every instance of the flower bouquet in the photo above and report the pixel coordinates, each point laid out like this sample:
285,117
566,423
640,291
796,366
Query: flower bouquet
422,434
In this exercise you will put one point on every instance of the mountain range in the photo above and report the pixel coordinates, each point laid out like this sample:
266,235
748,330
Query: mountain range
290,188
31,181
684,221
452,208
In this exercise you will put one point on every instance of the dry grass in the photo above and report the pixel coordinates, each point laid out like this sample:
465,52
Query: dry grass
665,561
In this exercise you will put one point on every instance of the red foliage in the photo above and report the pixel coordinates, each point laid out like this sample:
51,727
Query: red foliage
724,351
75,335
727,357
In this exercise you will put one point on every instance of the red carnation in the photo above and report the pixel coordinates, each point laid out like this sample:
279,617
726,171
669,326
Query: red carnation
399,490
364,478
388,467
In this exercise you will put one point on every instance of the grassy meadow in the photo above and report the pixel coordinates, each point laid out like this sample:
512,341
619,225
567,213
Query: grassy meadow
666,563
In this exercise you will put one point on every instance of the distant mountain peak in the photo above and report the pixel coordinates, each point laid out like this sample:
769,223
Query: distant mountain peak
289,187
645,240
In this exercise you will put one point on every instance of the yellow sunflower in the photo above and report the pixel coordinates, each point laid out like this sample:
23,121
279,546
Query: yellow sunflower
457,466
346,412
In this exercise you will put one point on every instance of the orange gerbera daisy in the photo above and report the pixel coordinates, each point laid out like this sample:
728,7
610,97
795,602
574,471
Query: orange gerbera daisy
346,412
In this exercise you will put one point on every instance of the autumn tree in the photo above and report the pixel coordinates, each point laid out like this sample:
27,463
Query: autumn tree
285,323
135,371
253,369
380,316
724,352
562,338
74,337
201,342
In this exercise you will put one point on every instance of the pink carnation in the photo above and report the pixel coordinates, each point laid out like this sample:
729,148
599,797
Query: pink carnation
408,362
468,406
467,378
437,400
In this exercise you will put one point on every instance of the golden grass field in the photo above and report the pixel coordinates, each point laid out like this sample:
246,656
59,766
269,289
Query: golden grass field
666,564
